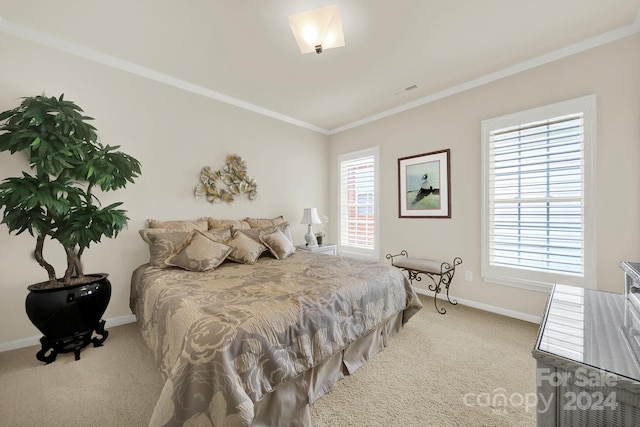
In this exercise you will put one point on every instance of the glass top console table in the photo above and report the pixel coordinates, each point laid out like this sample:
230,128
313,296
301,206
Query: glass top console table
588,356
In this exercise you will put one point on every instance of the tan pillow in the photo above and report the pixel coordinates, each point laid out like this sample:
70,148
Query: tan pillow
221,235
285,227
263,222
162,244
145,232
255,233
199,253
227,223
245,249
279,244
196,224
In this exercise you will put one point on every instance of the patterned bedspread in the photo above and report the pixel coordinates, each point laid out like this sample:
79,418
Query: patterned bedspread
223,339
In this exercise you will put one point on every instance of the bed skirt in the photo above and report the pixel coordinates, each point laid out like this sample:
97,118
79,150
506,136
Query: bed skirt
289,404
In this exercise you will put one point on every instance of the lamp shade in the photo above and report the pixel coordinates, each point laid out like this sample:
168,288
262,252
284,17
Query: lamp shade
318,29
310,216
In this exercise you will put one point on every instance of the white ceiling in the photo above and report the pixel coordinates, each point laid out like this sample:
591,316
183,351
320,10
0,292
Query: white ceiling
243,52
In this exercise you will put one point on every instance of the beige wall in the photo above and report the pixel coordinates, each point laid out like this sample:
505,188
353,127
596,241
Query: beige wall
174,134
612,72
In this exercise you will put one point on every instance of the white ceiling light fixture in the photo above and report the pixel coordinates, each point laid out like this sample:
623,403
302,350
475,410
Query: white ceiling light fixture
318,29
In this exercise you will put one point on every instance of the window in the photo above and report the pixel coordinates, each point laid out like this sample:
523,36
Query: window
538,178
358,182
365,203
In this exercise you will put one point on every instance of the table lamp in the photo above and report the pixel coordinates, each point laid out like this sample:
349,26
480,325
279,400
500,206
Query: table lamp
309,217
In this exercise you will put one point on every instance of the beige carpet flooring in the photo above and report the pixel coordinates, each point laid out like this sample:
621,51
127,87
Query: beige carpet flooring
439,371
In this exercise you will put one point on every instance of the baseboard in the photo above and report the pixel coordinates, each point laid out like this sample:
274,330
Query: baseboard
123,320
31,341
486,307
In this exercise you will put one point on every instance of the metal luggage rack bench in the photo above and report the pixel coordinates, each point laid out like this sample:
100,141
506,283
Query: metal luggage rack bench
440,273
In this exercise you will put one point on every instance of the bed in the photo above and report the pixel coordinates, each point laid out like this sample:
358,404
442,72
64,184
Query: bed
255,343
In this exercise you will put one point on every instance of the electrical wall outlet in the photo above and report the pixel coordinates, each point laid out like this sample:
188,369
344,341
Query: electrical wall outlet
468,276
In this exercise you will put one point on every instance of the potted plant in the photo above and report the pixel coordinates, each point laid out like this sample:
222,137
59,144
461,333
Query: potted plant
56,202
324,221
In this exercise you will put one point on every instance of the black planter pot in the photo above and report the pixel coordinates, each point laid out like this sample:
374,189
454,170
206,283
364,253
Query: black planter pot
69,316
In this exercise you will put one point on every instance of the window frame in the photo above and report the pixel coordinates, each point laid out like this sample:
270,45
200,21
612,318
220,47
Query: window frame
352,251
528,278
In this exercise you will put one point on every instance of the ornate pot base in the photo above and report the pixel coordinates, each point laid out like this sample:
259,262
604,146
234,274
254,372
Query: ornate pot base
51,348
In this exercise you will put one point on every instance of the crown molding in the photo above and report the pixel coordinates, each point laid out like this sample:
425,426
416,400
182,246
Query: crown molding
130,67
573,49
78,50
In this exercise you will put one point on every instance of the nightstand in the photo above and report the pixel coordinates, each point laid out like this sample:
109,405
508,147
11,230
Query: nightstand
327,248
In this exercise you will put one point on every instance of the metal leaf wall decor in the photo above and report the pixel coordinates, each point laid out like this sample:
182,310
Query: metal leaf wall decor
227,183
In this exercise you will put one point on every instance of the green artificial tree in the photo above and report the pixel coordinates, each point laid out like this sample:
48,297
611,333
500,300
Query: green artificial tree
55,200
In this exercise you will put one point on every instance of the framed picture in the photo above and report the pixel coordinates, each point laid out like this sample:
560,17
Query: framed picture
424,185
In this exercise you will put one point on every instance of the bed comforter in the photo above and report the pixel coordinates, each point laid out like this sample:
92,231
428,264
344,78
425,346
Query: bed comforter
226,338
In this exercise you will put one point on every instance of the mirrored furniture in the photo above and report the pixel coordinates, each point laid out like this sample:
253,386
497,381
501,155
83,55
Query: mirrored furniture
588,356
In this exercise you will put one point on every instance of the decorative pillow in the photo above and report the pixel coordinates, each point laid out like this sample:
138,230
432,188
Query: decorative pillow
215,224
245,249
145,232
199,253
262,222
197,224
255,233
285,227
279,244
221,235
162,244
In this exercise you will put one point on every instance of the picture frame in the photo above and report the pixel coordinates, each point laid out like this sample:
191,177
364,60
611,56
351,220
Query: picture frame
424,185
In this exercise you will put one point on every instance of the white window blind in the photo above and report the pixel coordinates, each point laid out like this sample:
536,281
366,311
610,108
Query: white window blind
358,184
537,199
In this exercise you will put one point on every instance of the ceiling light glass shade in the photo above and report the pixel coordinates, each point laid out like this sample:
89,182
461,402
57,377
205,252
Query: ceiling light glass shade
318,29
